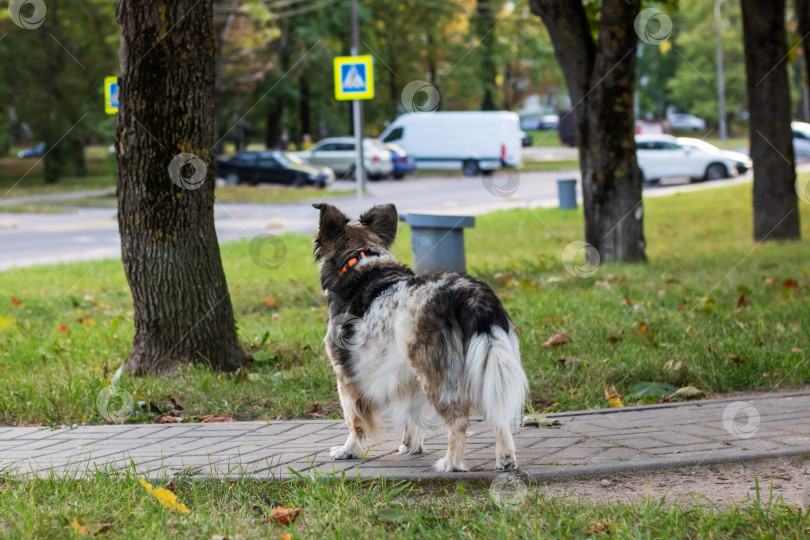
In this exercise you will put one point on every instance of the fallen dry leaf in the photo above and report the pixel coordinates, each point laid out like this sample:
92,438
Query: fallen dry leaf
539,420
558,339
211,418
598,527
171,419
743,300
283,515
166,498
15,302
613,397
270,302
568,362
688,392
81,529
735,358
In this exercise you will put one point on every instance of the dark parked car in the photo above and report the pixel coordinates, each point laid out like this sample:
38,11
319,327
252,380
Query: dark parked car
37,151
272,167
403,163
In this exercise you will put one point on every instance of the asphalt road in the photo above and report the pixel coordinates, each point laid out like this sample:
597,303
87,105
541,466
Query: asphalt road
92,233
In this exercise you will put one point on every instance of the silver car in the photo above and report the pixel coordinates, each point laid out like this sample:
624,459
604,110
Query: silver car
338,153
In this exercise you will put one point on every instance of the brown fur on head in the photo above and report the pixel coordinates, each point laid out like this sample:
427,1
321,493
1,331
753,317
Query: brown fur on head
338,240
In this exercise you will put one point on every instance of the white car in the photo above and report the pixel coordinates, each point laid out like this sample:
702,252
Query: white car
660,156
338,153
801,139
474,141
742,161
686,122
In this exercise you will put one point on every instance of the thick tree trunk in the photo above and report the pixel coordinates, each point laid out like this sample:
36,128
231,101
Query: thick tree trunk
304,115
600,80
272,131
169,246
776,213
803,16
488,69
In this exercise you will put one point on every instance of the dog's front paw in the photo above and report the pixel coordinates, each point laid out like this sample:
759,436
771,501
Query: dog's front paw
446,465
340,452
406,450
506,463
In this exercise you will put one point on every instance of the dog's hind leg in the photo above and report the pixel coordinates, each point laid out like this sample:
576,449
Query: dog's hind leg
453,461
412,439
504,449
361,424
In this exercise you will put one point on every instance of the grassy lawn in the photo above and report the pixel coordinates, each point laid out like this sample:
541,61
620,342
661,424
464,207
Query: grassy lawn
118,506
20,177
709,310
551,165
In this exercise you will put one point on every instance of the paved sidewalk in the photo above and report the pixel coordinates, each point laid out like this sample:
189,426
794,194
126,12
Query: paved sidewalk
587,442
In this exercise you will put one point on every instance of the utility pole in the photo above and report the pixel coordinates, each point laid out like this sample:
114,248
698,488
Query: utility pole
357,112
721,83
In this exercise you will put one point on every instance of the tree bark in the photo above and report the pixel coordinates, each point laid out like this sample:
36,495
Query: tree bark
803,16
488,70
776,213
600,76
305,118
169,247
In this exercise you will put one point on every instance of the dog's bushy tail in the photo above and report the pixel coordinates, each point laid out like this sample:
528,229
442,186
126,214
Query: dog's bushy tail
503,382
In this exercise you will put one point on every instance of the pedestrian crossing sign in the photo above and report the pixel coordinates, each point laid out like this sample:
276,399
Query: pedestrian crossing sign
354,77
111,95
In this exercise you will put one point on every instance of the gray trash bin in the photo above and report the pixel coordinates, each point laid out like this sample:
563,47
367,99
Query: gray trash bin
567,191
437,242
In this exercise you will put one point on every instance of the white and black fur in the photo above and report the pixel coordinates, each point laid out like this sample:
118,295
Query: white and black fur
439,346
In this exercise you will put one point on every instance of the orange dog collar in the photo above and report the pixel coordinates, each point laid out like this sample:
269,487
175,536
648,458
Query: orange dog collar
352,262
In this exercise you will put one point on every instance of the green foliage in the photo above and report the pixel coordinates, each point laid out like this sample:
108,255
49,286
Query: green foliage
53,78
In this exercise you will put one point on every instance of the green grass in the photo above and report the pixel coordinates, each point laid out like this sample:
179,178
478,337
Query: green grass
274,194
677,319
30,208
551,165
117,506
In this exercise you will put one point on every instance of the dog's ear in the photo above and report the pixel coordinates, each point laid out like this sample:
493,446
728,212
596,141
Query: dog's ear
332,224
382,220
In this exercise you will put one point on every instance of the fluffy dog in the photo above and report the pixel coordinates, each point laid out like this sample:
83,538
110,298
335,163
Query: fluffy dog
419,347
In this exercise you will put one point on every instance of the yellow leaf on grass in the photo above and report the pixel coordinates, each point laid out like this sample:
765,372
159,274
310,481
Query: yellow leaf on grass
6,322
613,397
81,529
165,497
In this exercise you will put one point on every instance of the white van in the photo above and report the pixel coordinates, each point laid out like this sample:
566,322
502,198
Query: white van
470,140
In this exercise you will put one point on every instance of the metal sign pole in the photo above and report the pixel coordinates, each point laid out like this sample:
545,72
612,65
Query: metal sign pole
357,113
